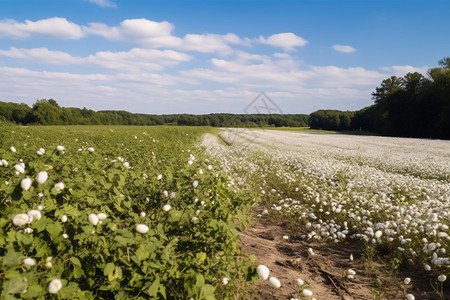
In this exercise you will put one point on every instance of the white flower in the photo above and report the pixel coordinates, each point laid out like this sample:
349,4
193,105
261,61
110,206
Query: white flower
41,177
12,149
166,207
65,235
93,219
225,280
159,177
25,184
60,148
90,149
195,183
274,282
300,281
101,216
407,280
410,297
263,272
64,219
442,278
307,293
19,168
142,228
54,286
59,186
20,219
36,214
29,262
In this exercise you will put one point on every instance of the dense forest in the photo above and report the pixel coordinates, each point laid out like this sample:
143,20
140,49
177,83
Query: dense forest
409,106
48,112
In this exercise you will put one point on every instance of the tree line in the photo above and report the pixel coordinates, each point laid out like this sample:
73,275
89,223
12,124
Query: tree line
409,106
48,112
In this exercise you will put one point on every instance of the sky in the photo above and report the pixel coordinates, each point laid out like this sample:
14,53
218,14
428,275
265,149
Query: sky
212,56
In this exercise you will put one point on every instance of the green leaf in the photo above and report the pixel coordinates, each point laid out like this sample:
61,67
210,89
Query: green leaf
11,258
75,261
153,289
109,268
54,229
15,286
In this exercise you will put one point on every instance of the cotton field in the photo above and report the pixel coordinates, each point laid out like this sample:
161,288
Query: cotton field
391,193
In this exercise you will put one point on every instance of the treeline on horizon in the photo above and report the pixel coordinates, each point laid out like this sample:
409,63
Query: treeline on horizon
409,106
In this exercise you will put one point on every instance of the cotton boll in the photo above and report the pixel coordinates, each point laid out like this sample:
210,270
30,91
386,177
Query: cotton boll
29,262
307,293
101,216
93,219
25,184
20,219
225,280
142,228
59,186
166,207
442,278
195,184
410,297
300,282
41,177
91,149
263,272
407,280
54,286
19,168
64,219
36,214
274,282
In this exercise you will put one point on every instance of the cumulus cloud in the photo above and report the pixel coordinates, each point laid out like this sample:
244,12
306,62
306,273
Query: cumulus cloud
403,70
288,41
343,48
103,3
42,55
51,27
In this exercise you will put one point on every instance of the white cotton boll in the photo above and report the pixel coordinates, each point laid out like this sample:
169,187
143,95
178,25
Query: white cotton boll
126,164
36,214
200,172
195,184
64,219
274,282
351,257
159,177
60,148
65,235
351,272
225,280
142,214
12,149
48,265
93,219
54,286
285,237
41,177
142,228
307,293
19,168
29,262
407,280
28,230
166,207
4,162
442,278
378,234
263,272
190,162
300,282
21,219
410,297
210,167
101,216
91,149
427,268
311,252
25,184
59,186
194,219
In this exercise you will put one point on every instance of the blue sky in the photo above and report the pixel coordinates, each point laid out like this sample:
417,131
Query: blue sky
208,56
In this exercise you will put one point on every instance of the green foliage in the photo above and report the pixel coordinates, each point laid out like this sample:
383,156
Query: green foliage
184,254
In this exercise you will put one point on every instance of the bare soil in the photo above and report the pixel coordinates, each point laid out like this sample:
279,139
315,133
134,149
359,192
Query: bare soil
325,271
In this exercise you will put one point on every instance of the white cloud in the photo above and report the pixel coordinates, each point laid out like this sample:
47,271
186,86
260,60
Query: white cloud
103,3
51,27
128,61
288,41
343,48
403,70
